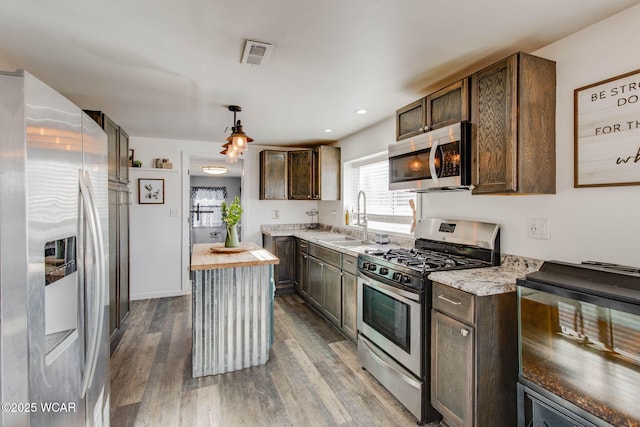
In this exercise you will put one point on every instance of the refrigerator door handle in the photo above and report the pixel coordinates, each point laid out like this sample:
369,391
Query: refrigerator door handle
95,231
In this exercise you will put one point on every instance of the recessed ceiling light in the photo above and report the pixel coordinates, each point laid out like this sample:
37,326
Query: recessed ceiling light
361,111
214,170
328,130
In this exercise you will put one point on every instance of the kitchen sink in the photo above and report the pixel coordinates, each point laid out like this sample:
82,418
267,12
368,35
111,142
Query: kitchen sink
339,239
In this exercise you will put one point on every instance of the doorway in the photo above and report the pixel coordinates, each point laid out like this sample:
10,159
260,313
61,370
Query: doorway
202,195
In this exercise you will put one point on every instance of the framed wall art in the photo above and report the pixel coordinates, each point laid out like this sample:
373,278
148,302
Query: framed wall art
150,191
607,132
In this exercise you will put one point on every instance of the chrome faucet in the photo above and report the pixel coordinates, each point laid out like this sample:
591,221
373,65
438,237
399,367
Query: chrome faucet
364,221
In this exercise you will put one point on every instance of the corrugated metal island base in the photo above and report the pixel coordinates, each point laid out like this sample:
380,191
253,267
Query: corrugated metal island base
232,308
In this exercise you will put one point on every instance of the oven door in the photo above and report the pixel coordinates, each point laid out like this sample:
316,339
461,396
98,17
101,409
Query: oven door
391,318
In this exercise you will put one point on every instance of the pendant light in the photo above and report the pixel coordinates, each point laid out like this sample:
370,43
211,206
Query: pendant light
238,140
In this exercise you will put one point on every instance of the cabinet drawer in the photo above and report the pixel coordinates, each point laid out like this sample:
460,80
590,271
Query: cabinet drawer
457,304
349,264
304,246
327,255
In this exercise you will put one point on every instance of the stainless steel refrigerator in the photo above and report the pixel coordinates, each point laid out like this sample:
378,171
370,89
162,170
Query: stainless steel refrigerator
53,257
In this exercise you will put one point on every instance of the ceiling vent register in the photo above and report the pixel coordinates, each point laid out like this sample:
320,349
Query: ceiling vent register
256,53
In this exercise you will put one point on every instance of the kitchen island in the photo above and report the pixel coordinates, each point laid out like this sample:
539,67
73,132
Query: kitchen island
232,307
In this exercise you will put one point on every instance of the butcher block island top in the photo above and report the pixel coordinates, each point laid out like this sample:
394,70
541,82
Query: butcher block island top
249,254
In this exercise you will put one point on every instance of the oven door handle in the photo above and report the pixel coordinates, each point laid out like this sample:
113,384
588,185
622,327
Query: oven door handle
389,290
407,379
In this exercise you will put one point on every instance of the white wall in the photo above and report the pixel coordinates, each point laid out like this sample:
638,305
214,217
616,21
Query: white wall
586,223
156,236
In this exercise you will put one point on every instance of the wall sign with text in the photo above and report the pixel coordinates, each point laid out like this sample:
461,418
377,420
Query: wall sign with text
607,132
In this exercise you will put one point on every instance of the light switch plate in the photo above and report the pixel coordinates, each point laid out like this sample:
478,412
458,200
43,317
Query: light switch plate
275,214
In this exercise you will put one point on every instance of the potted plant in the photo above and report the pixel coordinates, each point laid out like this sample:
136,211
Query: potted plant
137,163
231,216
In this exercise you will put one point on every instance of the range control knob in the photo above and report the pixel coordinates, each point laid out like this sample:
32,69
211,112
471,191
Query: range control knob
405,279
384,271
365,265
372,267
396,277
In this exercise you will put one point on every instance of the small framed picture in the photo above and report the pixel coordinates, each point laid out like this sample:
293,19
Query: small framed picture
131,159
150,191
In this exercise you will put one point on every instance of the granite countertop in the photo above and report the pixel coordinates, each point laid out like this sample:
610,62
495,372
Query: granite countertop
477,281
490,280
203,259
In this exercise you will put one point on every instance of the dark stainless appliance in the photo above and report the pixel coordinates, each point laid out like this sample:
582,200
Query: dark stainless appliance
579,344
394,303
440,159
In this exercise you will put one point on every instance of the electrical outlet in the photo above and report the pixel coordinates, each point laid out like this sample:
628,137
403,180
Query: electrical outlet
538,228
275,214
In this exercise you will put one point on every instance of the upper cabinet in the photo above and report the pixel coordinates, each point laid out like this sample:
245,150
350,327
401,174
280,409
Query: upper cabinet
118,147
513,105
273,175
311,174
410,120
447,106
314,174
442,108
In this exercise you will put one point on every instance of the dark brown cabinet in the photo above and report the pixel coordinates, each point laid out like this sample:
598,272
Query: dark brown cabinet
325,282
302,276
474,357
314,174
447,106
349,296
513,127
119,201
442,108
273,175
411,119
283,247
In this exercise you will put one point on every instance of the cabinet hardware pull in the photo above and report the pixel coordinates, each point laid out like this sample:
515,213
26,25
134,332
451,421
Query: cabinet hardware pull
442,297
464,332
348,262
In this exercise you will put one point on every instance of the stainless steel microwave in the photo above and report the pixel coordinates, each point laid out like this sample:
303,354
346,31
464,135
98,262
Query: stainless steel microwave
436,160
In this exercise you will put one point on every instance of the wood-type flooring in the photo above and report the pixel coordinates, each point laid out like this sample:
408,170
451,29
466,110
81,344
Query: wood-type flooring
313,377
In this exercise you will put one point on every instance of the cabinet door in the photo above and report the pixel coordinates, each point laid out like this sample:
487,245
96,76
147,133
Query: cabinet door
123,254
494,112
327,173
410,120
449,105
300,175
284,248
113,258
349,305
315,267
273,175
123,156
302,275
111,129
332,294
452,373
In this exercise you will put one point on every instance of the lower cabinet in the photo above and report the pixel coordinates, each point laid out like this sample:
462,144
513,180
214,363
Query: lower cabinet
282,247
301,282
349,306
474,358
326,279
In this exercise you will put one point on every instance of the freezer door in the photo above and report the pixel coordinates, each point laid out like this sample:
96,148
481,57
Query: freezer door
55,310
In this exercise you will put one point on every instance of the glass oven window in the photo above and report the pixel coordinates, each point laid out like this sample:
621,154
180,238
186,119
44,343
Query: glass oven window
388,316
587,354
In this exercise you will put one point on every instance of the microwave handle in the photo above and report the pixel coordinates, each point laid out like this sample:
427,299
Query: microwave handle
432,161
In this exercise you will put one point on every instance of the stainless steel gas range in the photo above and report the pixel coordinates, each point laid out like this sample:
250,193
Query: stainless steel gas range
394,303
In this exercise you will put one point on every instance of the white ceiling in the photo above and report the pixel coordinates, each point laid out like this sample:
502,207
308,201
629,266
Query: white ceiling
169,68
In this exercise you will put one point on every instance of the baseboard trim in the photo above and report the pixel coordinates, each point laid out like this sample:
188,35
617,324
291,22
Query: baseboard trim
160,294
